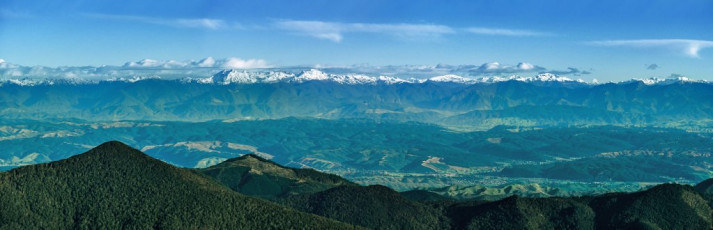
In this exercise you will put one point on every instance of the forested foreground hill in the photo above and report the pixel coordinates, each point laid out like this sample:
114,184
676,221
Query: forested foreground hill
666,206
114,186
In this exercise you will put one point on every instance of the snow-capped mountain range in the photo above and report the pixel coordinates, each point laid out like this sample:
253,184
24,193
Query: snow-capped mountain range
234,76
226,77
237,76
267,76
253,71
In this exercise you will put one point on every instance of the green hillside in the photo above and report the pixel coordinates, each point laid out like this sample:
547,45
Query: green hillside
666,206
115,186
424,196
705,187
375,206
523,213
255,176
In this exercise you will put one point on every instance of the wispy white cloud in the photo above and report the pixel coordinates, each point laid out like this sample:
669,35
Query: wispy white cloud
203,23
571,71
209,62
686,47
505,32
497,68
335,31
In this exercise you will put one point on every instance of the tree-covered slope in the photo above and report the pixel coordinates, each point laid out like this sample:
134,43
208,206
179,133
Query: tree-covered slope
325,194
256,176
424,196
115,186
705,187
375,206
523,213
666,206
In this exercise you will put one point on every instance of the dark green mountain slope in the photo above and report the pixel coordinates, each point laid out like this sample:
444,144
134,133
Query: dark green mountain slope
325,194
705,187
523,213
373,206
424,195
115,186
255,176
666,206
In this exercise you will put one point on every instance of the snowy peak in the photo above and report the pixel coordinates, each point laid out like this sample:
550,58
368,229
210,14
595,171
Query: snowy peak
226,77
667,81
551,77
544,77
351,79
311,75
452,78
233,76
391,80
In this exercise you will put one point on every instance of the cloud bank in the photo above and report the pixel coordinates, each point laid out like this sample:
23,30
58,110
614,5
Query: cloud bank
571,71
209,62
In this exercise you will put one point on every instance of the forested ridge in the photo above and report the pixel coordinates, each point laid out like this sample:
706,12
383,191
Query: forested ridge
115,186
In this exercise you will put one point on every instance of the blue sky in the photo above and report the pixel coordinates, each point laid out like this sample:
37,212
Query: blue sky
607,40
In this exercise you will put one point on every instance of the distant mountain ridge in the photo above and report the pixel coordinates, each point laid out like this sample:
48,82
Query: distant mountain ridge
545,100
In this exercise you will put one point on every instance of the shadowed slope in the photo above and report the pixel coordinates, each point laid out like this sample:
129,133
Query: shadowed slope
666,206
375,206
522,213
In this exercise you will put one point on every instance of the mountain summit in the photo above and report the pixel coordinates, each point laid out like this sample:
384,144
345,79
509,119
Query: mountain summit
253,175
